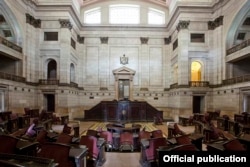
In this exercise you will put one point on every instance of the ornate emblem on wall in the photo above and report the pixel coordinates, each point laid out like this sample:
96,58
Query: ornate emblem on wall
124,60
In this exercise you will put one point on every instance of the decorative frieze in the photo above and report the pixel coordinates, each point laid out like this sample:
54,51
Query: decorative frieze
144,40
104,40
183,24
65,23
32,21
216,23
167,41
80,39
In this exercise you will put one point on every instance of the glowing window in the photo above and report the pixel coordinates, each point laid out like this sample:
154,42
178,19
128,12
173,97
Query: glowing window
92,16
156,16
124,14
196,71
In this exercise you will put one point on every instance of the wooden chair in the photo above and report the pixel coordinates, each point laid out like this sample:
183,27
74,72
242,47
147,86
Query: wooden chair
57,151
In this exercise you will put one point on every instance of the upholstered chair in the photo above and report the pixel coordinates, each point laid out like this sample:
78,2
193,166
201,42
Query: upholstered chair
154,144
157,133
108,138
126,139
91,132
144,135
91,143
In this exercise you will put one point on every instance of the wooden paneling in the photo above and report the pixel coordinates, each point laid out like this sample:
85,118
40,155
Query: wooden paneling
129,111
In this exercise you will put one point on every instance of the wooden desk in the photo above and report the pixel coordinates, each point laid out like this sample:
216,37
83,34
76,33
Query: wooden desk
79,155
184,120
27,161
215,147
245,139
25,147
119,129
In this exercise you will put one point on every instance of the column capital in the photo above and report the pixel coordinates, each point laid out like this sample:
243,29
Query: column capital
183,24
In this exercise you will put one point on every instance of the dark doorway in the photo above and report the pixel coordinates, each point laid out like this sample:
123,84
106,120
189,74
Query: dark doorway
50,100
123,89
197,104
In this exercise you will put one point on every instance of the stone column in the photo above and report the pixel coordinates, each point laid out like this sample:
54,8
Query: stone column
65,41
183,43
144,63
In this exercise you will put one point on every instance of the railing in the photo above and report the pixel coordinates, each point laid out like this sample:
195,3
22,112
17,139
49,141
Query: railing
174,86
73,84
11,77
198,83
10,44
235,80
238,47
48,82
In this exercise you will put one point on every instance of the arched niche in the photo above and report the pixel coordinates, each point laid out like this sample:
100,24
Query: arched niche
124,83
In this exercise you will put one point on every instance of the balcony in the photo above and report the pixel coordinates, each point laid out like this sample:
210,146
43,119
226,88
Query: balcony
238,47
235,80
198,84
10,45
11,77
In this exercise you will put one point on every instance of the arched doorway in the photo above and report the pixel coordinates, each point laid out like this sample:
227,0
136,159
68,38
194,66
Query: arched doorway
52,73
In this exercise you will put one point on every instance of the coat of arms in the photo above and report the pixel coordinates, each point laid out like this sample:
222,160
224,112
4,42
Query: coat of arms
124,60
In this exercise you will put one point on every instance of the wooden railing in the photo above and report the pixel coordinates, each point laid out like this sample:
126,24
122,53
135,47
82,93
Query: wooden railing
235,80
11,77
198,83
238,47
10,44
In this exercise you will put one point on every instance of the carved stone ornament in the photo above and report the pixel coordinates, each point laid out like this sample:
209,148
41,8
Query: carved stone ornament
216,23
104,40
32,21
144,40
65,23
80,39
183,24
124,60
167,41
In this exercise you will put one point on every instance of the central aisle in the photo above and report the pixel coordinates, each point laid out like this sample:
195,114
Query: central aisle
122,159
